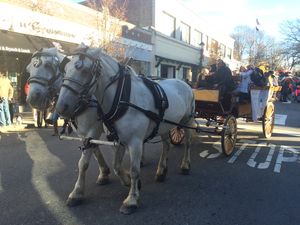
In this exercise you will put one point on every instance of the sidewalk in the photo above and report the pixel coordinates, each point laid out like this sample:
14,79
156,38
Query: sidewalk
25,123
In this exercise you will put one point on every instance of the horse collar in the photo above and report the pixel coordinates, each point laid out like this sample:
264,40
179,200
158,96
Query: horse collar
117,109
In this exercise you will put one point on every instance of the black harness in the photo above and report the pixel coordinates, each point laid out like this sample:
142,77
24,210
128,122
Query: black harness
121,101
117,109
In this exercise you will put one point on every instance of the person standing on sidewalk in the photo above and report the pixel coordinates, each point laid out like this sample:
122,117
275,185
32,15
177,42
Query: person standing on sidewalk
6,95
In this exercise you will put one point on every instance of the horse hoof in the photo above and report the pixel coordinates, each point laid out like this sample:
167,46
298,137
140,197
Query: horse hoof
185,171
103,181
160,178
71,202
127,210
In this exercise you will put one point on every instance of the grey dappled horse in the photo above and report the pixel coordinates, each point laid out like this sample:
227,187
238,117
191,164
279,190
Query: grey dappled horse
91,71
45,82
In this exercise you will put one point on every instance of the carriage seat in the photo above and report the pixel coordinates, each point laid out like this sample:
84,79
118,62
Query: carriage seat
207,94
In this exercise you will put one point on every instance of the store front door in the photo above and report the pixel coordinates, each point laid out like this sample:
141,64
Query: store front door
167,71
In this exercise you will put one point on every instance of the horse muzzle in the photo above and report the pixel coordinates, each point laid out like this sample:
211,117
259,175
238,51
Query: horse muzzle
38,100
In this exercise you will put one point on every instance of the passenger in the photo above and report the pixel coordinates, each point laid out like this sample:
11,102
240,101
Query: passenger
243,88
201,81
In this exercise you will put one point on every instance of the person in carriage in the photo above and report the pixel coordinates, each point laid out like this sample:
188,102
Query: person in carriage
244,84
223,80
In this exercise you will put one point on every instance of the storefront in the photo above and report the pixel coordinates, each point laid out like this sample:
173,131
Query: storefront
16,50
23,31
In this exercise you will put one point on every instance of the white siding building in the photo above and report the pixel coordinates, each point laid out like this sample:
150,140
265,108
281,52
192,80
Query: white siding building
177,33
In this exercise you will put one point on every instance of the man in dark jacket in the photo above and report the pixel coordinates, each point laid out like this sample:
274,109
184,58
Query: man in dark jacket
222,78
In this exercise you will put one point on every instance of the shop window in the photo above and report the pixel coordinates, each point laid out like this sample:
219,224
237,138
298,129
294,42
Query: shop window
167,71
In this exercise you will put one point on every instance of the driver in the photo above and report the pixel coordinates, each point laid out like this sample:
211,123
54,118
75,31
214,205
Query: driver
222,78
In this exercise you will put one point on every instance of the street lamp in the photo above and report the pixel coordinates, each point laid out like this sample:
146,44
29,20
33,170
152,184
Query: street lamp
198,70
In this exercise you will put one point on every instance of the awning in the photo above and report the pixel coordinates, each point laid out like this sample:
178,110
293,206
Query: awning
160,59
22,43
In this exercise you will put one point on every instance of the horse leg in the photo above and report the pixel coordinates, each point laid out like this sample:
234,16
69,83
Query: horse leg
185,163
76,196
162,167
130,204
143,158
104,170
118,169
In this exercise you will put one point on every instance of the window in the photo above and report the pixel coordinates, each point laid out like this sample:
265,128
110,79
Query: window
229,53
222,50
168,25
205,40
197,38
185,31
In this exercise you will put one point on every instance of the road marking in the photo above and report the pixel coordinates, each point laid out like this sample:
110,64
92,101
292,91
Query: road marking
280,119
242,148
281,158
205,154
1,188
266,164
251,162
45,164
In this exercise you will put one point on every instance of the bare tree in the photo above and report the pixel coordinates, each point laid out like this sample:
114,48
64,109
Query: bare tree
255,47
215,52
110,17
291,44
242,38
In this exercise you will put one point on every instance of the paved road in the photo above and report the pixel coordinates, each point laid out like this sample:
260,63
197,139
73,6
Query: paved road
258,185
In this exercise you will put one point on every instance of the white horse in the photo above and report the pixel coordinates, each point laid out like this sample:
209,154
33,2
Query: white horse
91,71
45,82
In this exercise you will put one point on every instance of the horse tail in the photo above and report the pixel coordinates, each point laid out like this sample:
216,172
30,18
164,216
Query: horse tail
193,106
189,115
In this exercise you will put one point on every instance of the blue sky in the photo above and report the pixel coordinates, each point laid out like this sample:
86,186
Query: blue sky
227,14
230,13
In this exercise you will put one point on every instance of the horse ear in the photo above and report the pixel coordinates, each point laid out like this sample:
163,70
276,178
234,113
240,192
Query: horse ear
97,51
82,45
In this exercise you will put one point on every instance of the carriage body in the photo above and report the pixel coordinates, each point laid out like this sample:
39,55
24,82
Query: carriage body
221,112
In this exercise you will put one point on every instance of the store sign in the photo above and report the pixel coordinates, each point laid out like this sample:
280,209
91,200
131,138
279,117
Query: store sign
10,49
25,21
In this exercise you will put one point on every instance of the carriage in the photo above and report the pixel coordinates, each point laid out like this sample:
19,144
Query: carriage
220,114
92,73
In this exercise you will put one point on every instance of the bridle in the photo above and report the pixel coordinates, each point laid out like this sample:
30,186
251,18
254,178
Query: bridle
84,91
54,67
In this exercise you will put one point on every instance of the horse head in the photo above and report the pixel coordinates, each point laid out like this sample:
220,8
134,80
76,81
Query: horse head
45,77
88,69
